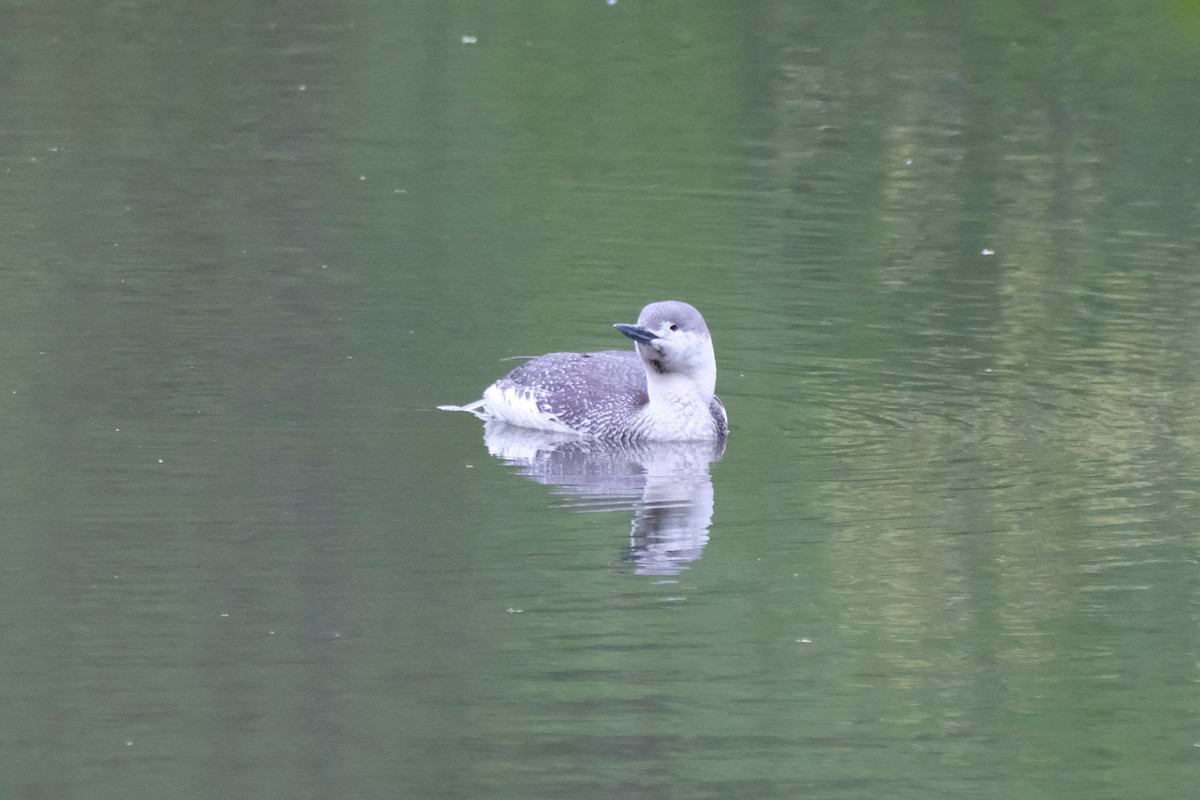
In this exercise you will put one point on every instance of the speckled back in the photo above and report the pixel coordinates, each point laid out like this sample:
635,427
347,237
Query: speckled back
588,392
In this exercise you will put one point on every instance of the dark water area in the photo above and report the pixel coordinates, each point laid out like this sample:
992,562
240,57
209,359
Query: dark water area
949,256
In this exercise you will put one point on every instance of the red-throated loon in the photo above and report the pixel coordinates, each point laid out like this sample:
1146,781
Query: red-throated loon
663,390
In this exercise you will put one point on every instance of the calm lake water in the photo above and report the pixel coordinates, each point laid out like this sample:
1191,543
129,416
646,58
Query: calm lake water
950,255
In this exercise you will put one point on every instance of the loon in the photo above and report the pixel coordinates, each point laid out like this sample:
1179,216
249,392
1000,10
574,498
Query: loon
662,390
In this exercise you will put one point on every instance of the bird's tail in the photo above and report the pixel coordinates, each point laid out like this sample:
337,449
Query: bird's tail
475,408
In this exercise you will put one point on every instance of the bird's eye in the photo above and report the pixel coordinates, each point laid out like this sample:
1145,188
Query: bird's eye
674,327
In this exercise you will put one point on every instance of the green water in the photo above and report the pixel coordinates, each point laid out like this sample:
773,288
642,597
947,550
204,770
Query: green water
950,255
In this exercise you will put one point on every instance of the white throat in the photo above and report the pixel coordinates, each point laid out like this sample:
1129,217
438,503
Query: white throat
689,384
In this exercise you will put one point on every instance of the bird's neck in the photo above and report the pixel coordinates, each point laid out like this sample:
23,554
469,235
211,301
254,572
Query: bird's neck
672,389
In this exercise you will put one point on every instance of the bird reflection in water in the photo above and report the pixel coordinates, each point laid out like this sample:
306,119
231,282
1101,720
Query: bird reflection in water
667,485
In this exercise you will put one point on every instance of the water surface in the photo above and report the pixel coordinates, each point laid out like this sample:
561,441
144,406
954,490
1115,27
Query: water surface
948,254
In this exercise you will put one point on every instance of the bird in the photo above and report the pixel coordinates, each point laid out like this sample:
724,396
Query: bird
661,390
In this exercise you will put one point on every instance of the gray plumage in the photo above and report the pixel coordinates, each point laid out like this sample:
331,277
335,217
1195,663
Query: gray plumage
663,389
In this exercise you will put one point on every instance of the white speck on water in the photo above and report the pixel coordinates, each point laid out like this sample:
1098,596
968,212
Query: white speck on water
908,162
224,613
987,251
470,39
400,191
302,87
512,610
129,742
160,461
804,641
362,177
